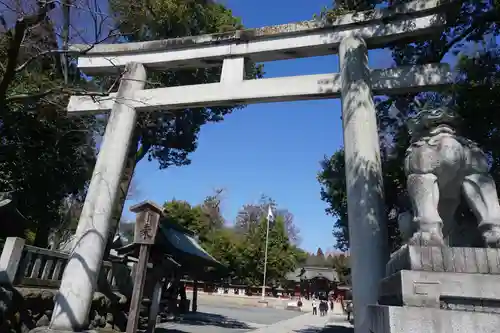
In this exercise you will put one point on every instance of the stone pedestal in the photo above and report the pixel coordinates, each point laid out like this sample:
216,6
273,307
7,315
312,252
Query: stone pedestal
397,319
439,289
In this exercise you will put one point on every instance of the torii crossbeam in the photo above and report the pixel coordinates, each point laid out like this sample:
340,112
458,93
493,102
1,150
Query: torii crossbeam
238,91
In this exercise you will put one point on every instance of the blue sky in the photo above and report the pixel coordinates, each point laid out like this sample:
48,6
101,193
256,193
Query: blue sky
271,149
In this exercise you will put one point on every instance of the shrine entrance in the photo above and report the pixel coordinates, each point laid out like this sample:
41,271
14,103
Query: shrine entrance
312,281
350,36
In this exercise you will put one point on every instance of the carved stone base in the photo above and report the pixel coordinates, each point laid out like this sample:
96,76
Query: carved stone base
439,290
395,319
445,259
451,291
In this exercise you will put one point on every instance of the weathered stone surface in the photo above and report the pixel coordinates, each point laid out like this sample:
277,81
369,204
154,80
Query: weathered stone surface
10,258
79,280
445,259
394,319
24,309
365,201
446,290
349,19
439,289
441,166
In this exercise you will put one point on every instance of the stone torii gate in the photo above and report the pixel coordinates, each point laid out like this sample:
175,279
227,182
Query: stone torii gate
349,35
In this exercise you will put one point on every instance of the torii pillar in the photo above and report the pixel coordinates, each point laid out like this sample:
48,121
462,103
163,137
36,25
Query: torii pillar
73,301
365,196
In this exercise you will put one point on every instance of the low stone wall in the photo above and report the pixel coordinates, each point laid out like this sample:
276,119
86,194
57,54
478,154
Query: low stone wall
22,309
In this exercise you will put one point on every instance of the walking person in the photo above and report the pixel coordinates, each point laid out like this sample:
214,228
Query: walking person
314,305
349,309
322,308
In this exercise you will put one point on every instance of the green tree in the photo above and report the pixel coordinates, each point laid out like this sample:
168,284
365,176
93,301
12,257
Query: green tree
225,245
317,260
182,213
311,260
282,258
169,137
320,254
201,219
70,211
472,95
333,192
300,255
340,263
242,253
211,214
45,157
251,215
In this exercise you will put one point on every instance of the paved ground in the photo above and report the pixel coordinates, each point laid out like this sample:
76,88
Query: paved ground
225,319
338,324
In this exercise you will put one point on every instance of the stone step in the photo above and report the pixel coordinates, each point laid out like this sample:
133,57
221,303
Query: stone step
403,319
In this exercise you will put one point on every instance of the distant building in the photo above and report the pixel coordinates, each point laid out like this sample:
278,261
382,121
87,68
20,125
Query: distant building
311,281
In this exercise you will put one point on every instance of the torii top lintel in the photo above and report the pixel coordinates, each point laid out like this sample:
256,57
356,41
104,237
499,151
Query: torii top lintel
286,41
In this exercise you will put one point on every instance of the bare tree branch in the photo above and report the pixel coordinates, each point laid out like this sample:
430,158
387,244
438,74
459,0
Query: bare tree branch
45,53
66,5
58,90
63,52
16,39
17,36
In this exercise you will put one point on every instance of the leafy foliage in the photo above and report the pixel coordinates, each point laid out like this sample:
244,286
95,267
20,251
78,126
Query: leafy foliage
45,157
242,253
169,137
282,255
473,25
251,215
333,192
337,261
340,263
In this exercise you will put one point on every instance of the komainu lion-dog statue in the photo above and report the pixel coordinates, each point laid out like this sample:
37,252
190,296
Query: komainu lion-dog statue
441,167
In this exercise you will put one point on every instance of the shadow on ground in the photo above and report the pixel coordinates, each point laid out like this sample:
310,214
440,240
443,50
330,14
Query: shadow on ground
206,319
328,329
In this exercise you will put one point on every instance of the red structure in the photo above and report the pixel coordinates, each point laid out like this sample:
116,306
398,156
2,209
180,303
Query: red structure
309,281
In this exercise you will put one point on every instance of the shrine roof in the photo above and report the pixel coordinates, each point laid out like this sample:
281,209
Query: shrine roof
181,246
311,272
186,243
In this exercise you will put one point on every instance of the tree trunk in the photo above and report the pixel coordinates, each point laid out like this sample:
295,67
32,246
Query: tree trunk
42,236
122,195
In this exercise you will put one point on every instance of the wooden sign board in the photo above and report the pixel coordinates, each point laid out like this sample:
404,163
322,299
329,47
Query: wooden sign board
146,226
146,223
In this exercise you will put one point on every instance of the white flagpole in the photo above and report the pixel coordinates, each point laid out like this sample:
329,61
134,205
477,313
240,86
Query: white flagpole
269,216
